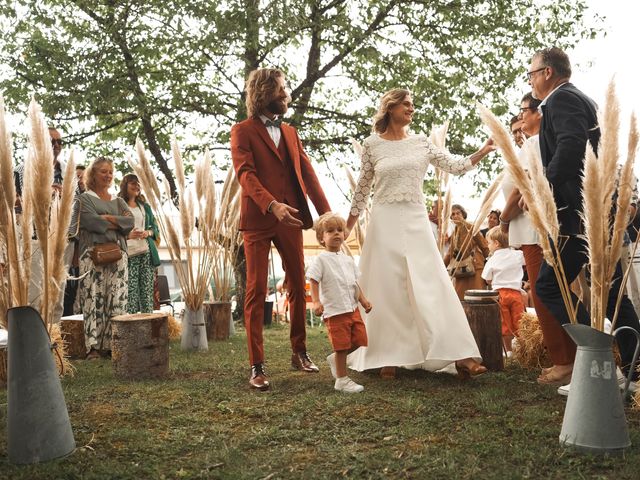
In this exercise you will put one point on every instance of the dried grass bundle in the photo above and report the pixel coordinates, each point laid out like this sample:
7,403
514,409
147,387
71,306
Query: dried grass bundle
485,207
601,177
530,351
60,219
541,206
211,247
226,235
17,278
9,240
41,174
445,218
487,202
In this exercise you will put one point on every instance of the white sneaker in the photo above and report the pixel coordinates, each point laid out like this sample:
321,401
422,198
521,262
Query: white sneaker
564,390
331,360
633,386
346,385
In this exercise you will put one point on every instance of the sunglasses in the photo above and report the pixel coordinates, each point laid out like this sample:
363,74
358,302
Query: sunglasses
56,141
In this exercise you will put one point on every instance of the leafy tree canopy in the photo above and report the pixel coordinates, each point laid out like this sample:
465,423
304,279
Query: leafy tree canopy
107,71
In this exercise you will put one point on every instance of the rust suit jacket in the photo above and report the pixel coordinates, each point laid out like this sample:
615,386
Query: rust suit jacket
263,176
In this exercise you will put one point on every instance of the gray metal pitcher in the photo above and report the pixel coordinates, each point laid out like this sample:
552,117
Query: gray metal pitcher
38,426
594,419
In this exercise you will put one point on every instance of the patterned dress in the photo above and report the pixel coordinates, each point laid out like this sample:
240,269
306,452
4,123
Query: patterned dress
141,271
103,291
417,320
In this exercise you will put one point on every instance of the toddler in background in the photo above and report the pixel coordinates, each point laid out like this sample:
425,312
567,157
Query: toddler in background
335,293
503,271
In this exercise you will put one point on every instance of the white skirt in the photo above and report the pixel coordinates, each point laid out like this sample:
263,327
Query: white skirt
417,320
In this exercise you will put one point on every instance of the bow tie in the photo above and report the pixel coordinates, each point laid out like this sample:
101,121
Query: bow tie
273,123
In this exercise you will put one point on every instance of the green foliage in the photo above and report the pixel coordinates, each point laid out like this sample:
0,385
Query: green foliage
107,71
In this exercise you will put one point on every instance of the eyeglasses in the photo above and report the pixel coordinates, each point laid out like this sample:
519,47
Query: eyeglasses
529,74
56,141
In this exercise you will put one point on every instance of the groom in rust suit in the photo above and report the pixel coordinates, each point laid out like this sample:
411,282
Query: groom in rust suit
276,177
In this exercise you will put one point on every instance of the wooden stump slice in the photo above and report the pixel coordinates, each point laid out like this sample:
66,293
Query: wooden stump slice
72,332
485,322
216,318
140,345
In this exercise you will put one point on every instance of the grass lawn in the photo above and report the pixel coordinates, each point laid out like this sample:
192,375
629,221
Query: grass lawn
204,422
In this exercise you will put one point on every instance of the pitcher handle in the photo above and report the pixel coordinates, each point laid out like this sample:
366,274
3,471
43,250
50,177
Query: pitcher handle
634,359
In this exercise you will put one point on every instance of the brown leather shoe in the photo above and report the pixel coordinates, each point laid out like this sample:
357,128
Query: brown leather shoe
301,361
258,378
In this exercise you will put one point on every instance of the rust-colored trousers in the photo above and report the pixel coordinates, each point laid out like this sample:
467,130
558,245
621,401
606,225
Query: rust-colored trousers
257,245
511,309
561,348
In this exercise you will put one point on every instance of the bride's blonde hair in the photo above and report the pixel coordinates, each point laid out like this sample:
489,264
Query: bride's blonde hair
387,102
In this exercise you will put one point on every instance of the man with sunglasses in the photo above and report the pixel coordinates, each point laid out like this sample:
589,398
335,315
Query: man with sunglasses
569,122
18,174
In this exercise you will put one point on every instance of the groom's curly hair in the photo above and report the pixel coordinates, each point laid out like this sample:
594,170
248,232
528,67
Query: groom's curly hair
260,88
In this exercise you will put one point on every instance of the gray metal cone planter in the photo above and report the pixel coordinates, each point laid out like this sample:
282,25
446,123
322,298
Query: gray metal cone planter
38,425
594,419
194,332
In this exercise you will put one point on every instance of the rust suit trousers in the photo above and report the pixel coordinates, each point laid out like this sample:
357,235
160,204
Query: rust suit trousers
257,245
561,348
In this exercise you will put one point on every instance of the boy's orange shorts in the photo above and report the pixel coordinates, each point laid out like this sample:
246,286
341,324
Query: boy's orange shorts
346,331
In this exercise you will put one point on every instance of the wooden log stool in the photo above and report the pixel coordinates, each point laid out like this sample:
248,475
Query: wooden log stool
483,313
140,345
217,316
72,333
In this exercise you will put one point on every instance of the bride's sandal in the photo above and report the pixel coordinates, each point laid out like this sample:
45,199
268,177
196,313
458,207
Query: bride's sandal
470,369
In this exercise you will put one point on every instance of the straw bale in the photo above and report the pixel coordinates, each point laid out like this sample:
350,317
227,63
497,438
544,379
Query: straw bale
59,353
174,328
530,351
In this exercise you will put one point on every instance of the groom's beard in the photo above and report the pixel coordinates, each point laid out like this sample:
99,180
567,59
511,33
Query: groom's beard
277,107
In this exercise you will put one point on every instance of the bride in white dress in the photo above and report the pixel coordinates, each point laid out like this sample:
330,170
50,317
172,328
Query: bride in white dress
417,320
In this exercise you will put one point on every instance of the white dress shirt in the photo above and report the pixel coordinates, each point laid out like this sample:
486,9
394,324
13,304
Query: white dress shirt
274,132
504,269
521,231
337,275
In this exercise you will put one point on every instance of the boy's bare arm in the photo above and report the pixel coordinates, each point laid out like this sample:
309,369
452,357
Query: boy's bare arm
318,308
363,301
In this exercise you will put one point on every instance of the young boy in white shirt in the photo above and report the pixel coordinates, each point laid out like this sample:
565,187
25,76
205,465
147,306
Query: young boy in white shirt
335,293
503,271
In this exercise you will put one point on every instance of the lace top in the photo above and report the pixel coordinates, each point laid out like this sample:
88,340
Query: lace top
396,169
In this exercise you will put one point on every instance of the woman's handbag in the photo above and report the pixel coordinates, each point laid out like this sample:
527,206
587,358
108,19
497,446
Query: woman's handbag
461,268
457,267
106,253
